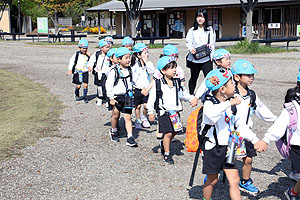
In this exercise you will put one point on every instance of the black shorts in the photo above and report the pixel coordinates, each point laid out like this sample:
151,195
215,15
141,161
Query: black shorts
214,161
295,158
164,123
139,98
250,151
120,105
85,78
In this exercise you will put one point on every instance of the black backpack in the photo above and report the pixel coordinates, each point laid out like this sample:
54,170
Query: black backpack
117,75
76,60
252,101
95,63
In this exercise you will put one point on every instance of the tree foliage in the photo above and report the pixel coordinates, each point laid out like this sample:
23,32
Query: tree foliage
3,5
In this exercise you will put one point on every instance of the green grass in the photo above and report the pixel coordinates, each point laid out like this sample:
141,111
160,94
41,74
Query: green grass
28,112
244,47
55,43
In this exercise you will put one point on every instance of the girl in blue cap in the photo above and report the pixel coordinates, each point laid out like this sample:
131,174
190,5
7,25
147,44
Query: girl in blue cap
127,42
142,68
218,126
283,128
165,97
99,66
243,72
119,91
78,67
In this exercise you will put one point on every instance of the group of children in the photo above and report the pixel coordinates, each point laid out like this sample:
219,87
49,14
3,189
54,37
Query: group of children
124,83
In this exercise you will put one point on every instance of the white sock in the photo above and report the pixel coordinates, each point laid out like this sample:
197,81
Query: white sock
129,135
114,130
167,153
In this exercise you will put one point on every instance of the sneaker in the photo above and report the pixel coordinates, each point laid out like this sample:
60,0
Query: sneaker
168,159
248,187
294,176
290,196
146,124
77,98
137,124
162,149
131,142
85,99
113,136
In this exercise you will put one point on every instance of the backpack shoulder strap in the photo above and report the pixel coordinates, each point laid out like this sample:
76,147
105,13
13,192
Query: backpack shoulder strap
158,94
117,75
75,61
252,98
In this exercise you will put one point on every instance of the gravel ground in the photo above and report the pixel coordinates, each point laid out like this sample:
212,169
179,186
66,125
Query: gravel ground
84,164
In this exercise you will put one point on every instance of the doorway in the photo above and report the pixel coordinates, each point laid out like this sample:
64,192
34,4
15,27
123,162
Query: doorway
162,24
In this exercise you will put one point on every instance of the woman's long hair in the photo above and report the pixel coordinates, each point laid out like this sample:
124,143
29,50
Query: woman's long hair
201,12
134,58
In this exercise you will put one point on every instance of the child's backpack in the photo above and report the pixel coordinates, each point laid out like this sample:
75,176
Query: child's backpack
283,144
76,60
95,64
159,93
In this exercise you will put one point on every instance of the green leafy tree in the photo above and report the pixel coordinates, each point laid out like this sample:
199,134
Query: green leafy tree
54,7
133,10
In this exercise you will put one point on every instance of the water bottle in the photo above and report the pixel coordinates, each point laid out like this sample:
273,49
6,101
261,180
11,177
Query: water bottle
231,149
80,76
129,100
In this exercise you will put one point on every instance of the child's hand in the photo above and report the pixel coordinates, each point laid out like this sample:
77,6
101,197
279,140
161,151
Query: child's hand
69,72
235,101
194,102
144,92
151,117
260,146
113,102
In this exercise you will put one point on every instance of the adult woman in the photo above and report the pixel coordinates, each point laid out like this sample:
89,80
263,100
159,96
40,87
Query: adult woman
200,34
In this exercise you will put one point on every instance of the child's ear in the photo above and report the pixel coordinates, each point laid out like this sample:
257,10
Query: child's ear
119,59
222,89
236,77
219,62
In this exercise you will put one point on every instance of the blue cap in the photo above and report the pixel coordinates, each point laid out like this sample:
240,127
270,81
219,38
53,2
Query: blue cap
242,67
102,43
221,53
217,78
83,43
121,51
111,52
109,39
298,77
170,50
163,61
127,41
139,47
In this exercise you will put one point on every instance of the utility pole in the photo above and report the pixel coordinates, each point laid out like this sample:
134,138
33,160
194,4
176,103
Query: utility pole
19,17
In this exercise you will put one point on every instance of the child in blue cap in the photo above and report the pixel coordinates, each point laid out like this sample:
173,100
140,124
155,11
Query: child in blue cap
127,42
78,67
109,40
171,51
119,91
243,72
99,66
284,127
218,116
222,58
165,97
142,68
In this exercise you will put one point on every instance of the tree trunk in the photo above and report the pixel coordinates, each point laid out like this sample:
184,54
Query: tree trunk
249,25
133,27
56,23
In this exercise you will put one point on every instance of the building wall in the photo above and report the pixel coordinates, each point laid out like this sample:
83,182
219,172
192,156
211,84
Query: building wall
190,14
5,22
231,22
118,24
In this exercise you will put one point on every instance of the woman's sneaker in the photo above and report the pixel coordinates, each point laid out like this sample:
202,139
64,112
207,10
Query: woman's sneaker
146,123
168,159
114,136
131,142
248,187
288,194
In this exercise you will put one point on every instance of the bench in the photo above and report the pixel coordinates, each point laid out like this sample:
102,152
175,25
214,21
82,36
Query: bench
228,39
2,34
151,39
269,41
59,36
36,35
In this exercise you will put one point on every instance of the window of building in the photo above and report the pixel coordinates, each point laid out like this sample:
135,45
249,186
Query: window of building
273,15
255,17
